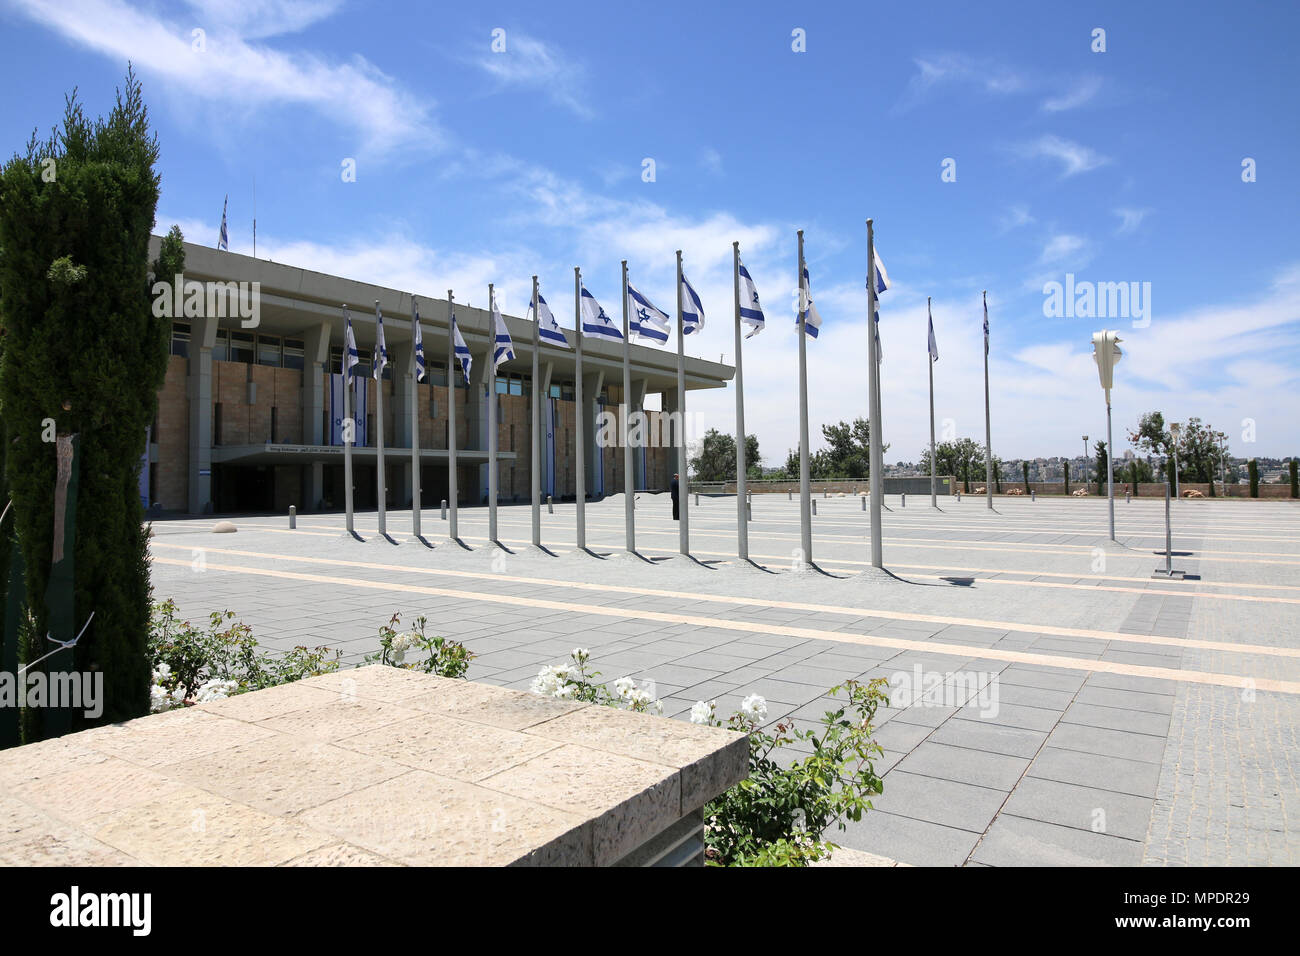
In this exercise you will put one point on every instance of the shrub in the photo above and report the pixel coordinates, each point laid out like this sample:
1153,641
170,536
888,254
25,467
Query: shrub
778,815
439,656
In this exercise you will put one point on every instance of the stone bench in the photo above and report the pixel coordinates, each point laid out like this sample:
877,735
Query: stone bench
370,766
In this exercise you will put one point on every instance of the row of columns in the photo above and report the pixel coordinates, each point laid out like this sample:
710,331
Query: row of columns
316,341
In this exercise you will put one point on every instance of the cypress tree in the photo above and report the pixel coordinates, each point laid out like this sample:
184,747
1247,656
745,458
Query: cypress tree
1066,467
1252,469
1295,482
84,355
1024,469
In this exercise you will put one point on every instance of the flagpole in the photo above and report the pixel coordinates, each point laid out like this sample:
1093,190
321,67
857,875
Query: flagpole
629,479
535,471
988,428
934,480
876,481
805,483
349,430
381,491
742,518
492,415
683,477
453,493
415,426
579,444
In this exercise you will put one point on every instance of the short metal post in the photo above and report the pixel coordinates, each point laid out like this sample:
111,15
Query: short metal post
444,509
789,495
749,511
697,499
904,501
959,497
1033,496
550,505
864,502
814,504
1128,498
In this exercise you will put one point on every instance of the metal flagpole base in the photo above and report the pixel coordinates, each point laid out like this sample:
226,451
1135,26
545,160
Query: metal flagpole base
1168,575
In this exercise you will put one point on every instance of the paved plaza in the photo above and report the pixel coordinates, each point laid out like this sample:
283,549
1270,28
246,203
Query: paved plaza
1069,708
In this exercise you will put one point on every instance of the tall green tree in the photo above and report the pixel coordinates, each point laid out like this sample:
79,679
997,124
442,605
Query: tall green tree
85,355
1102,457
717,458
963,459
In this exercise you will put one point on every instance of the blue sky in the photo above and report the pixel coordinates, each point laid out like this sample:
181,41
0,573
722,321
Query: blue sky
475,166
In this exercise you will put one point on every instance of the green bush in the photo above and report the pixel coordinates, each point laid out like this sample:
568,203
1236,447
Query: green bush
438,655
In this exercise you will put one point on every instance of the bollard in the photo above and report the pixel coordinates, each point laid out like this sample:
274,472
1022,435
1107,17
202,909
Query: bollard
814,504
550,505
904,501
444,509
789,496
293,517
959,497
826,494
1033,495
749,511
864,502
697,499
1128,498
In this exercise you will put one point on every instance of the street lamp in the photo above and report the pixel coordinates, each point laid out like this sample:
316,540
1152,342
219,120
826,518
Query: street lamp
1175,430
1105,352
1085,461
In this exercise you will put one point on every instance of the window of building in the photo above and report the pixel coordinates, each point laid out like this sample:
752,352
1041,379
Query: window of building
181,339
503,385
241,347
566,391
516,384
294,354
436,373
268,350
221,347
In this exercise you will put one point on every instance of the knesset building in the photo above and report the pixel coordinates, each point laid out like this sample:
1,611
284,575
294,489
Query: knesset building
249,419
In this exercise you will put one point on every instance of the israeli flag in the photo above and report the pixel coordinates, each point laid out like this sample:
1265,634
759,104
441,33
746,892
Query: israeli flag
882,277
503,350
418,337
882,283
595,321
692,309
986,325
934,346
351,357
645,320
751,312
223,241
812,320
381,350
548,328
460,348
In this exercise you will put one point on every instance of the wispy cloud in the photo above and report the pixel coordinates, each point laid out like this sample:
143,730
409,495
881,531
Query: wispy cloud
1130,220
711,160
1073,157
1062,248
228,69
1079,94
937,71
1015,217
533,64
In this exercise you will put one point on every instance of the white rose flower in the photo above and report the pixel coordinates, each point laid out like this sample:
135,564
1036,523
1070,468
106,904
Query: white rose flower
702,713
754,707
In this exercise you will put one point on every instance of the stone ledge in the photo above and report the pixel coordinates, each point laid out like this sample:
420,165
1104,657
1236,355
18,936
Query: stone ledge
365,767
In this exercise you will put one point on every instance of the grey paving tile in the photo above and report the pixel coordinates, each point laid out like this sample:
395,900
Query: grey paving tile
993,738
916,842
1102,740
1115,718
1096,770
945,802
1084,808
983,769
1017,841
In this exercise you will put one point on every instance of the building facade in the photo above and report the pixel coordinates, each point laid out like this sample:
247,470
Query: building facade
249,416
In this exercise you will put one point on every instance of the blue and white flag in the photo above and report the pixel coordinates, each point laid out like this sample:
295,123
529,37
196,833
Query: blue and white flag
417,336
646,320
223,241
595,321
882,283
460,348
503,349
351,357
751,312
381,350
548,328
692,309
986,323
812,321
934,346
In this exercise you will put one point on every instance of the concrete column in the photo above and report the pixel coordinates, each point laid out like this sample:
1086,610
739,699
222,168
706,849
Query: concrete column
591,386
637,405
403,385
668,403
316,342
203,336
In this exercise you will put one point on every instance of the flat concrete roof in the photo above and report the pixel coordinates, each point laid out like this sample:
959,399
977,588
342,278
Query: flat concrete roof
295,300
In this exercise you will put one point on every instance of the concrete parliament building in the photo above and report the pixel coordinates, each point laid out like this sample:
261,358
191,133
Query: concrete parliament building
249,419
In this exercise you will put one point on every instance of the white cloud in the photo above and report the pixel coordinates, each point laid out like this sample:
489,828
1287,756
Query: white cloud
957,69
1015,217
233,71
531,63
1130,219
1073,157
1065,248
1076,96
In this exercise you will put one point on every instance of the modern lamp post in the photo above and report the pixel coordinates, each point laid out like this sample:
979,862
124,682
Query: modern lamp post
1085,461
1174,430
1105,352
